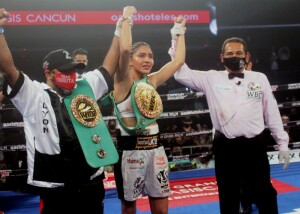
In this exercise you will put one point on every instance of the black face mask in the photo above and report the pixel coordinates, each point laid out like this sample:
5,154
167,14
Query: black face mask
81,71
112,127
234,63
186,125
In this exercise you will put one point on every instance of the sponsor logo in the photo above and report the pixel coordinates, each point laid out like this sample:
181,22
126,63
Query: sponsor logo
103,17
160,160
146,142
139,161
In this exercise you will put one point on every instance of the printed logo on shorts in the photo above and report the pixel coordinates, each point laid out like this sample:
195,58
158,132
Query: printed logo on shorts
160,160
138,186
136,163
146,142
162,177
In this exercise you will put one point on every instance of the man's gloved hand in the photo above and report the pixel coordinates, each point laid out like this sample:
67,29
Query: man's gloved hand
284,155
178,28
128,13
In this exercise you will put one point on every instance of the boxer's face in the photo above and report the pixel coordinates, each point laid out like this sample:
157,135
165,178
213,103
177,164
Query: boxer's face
142,60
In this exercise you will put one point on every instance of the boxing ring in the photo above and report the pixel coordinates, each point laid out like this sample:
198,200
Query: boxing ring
13,149
13,141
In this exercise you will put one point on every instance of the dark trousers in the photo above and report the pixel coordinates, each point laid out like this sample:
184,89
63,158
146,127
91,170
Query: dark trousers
246,200
82,199
243,161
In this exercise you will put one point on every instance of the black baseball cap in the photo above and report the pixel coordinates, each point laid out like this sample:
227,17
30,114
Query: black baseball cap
60,60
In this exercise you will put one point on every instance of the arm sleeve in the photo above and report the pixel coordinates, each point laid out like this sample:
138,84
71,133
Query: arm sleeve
191,78
25,94
16,87
100,81
273,118
194,79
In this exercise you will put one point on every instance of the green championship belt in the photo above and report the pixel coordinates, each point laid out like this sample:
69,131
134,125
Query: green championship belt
93,135
146,103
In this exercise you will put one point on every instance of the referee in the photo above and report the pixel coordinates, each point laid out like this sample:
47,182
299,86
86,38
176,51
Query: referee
241,103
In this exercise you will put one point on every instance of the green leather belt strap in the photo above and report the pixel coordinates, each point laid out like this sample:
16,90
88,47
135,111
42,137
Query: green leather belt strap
94,137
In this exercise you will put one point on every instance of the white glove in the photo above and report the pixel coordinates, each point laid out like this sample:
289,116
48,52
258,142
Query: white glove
118,27
177,30
128,13
119,24
284,155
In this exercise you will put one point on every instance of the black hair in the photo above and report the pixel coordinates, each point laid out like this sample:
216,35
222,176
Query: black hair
80,51
234,39
136,45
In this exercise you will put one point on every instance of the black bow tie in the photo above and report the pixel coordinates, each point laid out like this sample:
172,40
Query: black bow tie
231,75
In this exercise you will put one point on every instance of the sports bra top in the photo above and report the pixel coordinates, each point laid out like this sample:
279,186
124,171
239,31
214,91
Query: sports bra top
125,107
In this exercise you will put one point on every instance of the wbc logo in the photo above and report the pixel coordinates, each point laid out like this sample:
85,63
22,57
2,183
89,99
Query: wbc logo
254,90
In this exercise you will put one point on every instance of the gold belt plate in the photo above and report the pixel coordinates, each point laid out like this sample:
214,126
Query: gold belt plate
85,110
148,100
